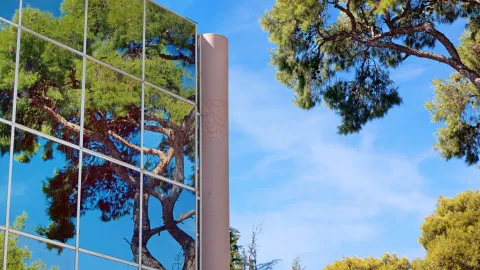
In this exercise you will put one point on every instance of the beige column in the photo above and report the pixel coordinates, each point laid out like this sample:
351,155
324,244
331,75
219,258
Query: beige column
215,250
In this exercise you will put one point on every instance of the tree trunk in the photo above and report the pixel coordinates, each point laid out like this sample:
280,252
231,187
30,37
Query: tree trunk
147,257
473,76
186,241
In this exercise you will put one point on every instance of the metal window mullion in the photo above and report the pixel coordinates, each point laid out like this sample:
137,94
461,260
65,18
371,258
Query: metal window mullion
4,121
173,12
196,148
164,179
45,136
99,155
103,256
70,247
8,21
12,136
169,93
200,103
41,239
82,123
142,130
100,62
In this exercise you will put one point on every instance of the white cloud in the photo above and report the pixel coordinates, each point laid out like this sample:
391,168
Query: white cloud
408,73
324,191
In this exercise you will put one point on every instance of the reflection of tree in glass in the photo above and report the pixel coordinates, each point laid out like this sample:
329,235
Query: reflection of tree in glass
19,256
49,101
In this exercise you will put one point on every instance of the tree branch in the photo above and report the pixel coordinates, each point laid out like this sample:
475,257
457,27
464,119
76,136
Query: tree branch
411,51
146,150
162,228
348,13
180,56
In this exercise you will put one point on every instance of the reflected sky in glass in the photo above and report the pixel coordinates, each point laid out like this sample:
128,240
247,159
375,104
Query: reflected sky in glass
170,51
4,164
8,47
108,192
45,174
41,256
47,196
49,88
8,8
163,246
169,125
90,262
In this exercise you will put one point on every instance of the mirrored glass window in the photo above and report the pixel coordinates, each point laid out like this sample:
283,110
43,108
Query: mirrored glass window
49,88
115,33
168,225
9,9
112,114
27,253
8,53
90,262
44,187
2,235
78,119
60,20
110,211
169,138
170,51
5,131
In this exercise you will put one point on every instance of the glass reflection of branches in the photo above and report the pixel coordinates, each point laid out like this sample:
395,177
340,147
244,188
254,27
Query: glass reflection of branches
49,101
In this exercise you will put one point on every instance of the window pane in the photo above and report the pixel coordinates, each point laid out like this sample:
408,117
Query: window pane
115,33
27,253
5,131
60,20
50,88
9,7
2,235
170,51
169,138
8,52
168,224
110,212
112,114
90,262
44,187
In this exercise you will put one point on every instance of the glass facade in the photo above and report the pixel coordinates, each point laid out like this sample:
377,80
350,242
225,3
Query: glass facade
98,136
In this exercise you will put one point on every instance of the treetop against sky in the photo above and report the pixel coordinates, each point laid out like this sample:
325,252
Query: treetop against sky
362,194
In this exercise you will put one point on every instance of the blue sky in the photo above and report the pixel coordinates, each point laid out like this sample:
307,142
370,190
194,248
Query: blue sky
318,194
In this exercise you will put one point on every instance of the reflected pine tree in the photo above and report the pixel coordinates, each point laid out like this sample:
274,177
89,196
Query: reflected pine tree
49,100
19,256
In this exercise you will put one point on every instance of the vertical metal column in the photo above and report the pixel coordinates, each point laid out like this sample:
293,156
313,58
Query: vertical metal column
215,224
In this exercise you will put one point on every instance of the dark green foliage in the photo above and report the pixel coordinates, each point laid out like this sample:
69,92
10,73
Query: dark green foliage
235,256
320,43
369,96
247,259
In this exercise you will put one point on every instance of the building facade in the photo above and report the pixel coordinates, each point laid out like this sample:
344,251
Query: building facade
99,136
